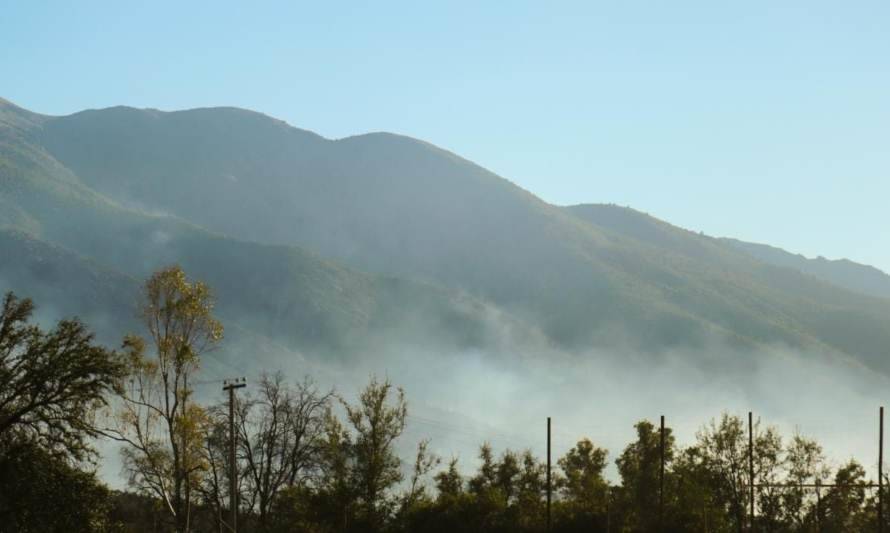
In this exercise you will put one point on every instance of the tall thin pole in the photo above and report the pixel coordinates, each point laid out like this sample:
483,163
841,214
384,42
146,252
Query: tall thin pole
185,453
751,468
661,478
548,474
819,505
881,470
230,386
233,522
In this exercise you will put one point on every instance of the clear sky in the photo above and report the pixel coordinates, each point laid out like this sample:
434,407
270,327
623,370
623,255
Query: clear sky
766,121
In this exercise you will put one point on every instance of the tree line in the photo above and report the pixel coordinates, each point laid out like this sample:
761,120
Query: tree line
309,460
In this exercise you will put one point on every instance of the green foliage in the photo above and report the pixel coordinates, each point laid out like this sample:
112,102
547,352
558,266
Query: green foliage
303,469
583,487
375,422
162,429
639,466
842,504
51,382
41,492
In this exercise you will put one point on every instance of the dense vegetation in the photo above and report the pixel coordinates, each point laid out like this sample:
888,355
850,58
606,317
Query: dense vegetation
310,460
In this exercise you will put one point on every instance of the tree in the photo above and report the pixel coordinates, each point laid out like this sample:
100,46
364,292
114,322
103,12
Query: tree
280,431
844,503
213,487
449,483
163,431
804,463
51,383
530,488
639,467
695,504
337,485
446,512
485,477
723,447
424,462
506,472
377,420
583,488
488,512
40,491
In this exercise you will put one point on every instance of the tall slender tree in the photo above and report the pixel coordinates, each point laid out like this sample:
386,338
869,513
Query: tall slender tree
162,428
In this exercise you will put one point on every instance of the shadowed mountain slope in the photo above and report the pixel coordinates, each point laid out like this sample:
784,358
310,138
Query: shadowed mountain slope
401,207
60,237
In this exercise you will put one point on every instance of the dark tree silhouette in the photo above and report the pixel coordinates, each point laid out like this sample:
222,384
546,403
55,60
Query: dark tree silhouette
52,383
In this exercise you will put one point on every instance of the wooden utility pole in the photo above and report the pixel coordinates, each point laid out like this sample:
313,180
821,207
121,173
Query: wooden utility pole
230,386
819,505
751,468
881,470
661,478
549,488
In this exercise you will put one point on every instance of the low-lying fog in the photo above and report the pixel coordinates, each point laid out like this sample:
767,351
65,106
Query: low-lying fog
460,399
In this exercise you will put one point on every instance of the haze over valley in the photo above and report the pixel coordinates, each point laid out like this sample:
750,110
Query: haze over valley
382,254
420,267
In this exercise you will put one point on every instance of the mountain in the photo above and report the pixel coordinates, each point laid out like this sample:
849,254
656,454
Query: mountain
64,284
237,195
837,315
80,252
380,202
857,277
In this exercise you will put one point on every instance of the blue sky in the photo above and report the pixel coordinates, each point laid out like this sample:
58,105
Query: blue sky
766,121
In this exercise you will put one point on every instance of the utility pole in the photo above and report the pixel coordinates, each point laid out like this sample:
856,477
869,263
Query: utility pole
185,453
751,467
230,385
881,470
661,478
549,489
819,505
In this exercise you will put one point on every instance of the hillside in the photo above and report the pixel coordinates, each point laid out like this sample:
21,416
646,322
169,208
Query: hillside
82,253
380,202
404,209
64,284
841,272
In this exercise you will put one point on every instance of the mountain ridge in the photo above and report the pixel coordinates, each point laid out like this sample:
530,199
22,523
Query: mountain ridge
281,292
395,206
843,272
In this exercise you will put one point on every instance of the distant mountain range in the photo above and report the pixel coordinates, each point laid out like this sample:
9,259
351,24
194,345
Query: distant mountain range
323,244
